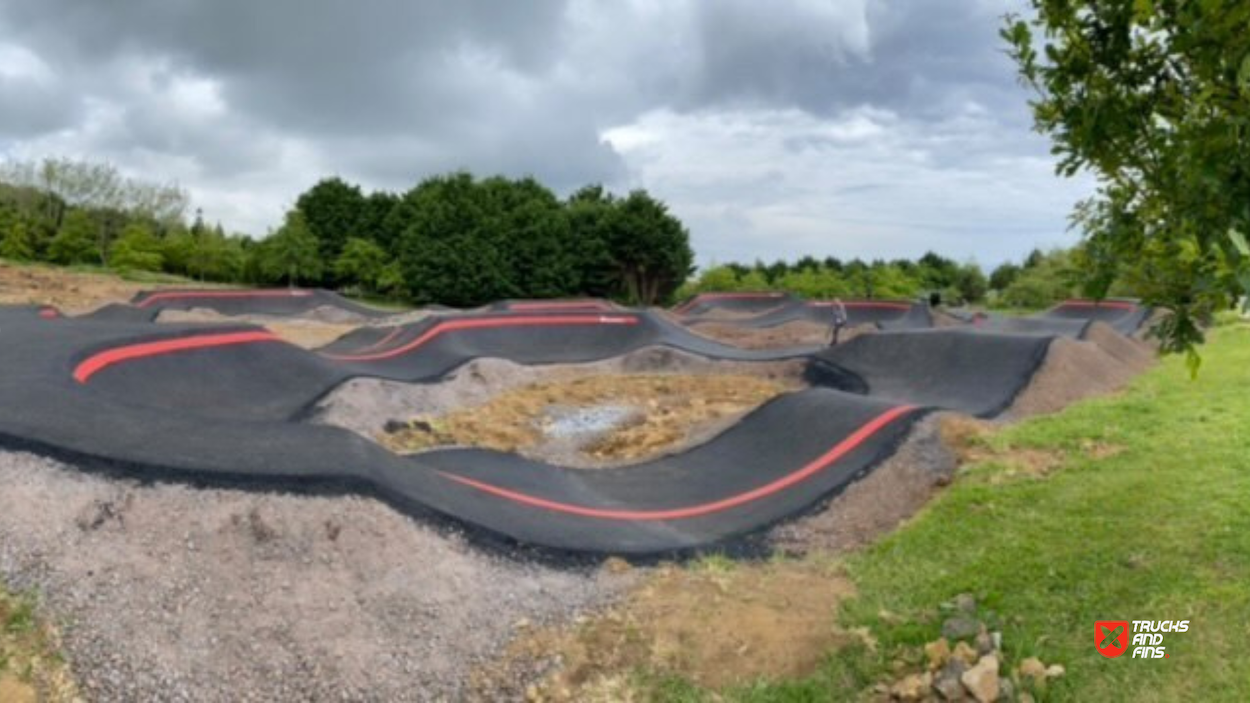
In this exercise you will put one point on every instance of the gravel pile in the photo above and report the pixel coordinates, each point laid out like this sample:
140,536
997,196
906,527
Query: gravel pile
169,592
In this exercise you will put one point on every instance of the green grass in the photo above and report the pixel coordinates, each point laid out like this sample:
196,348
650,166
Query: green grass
1158,531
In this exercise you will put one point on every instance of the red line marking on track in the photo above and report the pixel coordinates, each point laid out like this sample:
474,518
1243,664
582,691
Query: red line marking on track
49,313
170,295
453,325
1117,304
102,360
813,467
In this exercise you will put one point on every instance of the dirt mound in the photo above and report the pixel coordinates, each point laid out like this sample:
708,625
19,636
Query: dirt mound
1103,362
71,291
184,593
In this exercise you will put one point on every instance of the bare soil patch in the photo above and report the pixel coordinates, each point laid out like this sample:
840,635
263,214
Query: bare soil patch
71,291
716,623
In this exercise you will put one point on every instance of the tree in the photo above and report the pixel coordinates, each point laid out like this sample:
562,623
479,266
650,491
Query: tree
361,262
137,249
971,283
1152,97
18,241
334,212
291,254
75,241
650,249
1003,275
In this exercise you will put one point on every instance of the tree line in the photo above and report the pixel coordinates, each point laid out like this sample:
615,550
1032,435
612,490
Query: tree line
454,239
1037,281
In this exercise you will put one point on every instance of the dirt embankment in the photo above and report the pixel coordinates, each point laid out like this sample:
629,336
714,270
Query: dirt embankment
70,291
1103,362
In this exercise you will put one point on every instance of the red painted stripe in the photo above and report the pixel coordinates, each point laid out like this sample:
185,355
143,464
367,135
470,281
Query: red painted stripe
1117,304
569,305
49,313
453,325
102,360
862,304
838,451
172,295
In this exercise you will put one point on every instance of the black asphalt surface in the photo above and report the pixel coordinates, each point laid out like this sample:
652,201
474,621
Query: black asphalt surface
1071,318
885,314
229,301
223,404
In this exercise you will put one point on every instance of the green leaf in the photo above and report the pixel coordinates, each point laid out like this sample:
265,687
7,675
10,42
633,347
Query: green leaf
1239,240
1143,11
1243,75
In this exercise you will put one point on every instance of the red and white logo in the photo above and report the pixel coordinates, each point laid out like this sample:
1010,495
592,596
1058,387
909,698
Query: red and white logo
1111,637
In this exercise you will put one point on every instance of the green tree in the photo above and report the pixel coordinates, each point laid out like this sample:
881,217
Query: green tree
291,254
362,262
1152,97
650,249
75,241
137,249
18,242
334,212
1003,275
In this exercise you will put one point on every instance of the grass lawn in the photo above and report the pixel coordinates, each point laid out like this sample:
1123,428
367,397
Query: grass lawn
1146,517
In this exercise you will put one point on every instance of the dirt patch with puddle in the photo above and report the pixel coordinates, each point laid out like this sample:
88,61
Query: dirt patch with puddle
704,397
594,420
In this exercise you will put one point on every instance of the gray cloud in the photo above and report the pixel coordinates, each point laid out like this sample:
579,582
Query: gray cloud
791,103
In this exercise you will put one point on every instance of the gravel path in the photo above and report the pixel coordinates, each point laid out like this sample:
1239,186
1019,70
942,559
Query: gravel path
168,592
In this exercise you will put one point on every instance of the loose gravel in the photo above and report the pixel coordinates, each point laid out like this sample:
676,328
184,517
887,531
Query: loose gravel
174,593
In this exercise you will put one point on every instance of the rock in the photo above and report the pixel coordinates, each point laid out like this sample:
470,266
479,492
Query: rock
1006,689
960,627
912,688
937,652
965,653
1025,697
984,643
1032,668
947,682
1054,671
965,602
982,679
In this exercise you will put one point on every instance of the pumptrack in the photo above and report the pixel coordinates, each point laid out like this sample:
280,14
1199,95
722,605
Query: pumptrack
225,404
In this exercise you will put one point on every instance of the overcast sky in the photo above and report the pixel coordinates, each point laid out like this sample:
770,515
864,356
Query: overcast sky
873,128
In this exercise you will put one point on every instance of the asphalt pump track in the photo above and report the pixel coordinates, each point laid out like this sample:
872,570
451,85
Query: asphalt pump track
226,405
